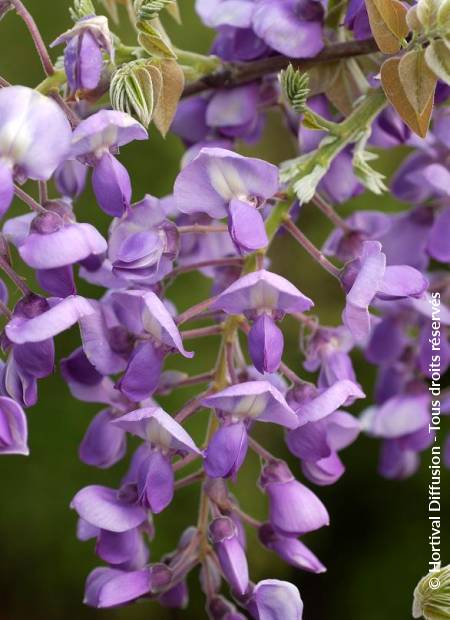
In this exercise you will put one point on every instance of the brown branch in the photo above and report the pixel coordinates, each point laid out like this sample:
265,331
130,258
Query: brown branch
235,73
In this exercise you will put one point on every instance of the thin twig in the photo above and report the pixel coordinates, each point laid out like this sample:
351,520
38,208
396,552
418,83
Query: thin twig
4,83
190,479
202,229
331,214
187,460
202,332
260,450
193,311
310,247
232,74
41,48
72,116
13,276
28,200
43,192
217,262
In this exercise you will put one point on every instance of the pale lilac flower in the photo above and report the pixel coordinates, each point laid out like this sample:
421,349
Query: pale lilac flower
13,428
94,141
26,150
165,437
222,183
223,535
263,297
272,599
293,509
291,550
83,57
291,27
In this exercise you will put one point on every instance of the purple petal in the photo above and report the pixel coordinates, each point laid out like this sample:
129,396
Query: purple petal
309,442
143,372
105,129
265,344
112,185
290,550
226,451
439,240
398,416
157,427
402,281
35,359
103,444
231,555
254,400
35,132
108,587
66,246
57,319
262,290
234,107
324,471
282,26
340,393
216,176
215,13
13,428
246,227
6,188
102,507
155,482
70,178
59,282
276,600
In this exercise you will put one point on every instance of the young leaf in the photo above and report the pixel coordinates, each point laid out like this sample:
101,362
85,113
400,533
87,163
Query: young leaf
392,86
418,81
135,89
344,90
443,16
427,12
171,91
295,87
412,20
437,56
388,23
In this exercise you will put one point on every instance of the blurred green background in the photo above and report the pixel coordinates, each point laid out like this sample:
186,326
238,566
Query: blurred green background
376,548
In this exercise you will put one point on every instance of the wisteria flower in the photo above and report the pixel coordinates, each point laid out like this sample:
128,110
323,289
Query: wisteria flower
94,141
263,297
222,183
26,151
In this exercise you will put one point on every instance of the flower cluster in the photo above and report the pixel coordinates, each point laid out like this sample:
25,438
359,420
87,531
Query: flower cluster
220,220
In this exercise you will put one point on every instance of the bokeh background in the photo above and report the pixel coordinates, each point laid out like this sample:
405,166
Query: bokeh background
376,548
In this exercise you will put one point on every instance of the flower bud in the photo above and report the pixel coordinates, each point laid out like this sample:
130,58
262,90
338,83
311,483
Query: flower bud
231,556
432,596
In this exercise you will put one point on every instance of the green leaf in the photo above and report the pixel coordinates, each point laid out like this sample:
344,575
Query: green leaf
170,94
388,23
443,16
154,40
427,12
418,81
393,88
135,88
295,87
81,8
437,56
147,10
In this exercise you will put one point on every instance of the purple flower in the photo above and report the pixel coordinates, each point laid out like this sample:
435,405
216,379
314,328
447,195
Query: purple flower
222,183
291,27
291,550
216,13
143,243
263,297
83,58
272,599
107,509
155,478
36,319
26,151
238,406
13,428
94,141
293,509
367,277
55,240
103,444
70,178
231,555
